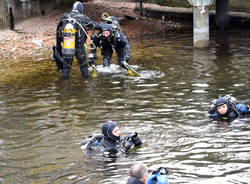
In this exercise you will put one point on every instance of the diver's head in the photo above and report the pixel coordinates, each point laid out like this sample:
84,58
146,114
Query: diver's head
106,33
78,6
138,171
222,105
110,130
106,30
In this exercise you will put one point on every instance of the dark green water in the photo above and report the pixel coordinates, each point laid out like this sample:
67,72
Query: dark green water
43,119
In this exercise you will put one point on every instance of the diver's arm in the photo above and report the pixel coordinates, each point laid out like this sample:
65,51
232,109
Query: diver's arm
212,110
123,41
59,36
90,23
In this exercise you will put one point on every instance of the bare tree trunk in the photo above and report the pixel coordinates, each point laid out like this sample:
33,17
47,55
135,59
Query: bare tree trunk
141,10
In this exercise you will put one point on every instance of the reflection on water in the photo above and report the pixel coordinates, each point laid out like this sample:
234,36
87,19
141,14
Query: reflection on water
43,119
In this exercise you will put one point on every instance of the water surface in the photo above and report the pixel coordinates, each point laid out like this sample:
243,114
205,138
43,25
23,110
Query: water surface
43,119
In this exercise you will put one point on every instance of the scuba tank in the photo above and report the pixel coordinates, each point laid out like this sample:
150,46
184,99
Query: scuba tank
69,39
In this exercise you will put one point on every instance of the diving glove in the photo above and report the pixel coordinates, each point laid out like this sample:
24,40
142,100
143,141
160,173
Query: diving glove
157,178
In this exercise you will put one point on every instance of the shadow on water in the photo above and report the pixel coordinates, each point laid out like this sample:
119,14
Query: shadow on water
43,119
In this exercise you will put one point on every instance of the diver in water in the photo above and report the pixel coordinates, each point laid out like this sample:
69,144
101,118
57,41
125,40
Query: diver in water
111,143
109,39
228,109
139,175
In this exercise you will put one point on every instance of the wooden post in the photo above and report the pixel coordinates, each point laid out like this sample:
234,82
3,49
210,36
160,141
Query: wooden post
222,17
141,13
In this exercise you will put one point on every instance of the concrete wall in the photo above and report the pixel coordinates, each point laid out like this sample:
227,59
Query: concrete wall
235,5
23,9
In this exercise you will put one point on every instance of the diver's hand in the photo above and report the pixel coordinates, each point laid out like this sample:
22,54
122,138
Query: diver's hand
151,179
127,144
161,178
158,178
135,139
92,63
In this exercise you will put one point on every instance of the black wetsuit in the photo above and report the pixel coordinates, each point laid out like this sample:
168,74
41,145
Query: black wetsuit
116,41
134,180
110,144
64,63
234,110
229,116
109,147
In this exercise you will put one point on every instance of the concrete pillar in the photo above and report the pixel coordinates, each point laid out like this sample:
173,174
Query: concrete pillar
201,26
222,17
201,22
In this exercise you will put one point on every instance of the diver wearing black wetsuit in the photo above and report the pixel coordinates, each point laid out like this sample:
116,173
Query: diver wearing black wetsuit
80,22
114,40
111,143
228,110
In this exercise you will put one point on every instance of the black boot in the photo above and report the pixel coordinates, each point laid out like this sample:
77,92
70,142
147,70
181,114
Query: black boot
106,62
92,56
84,71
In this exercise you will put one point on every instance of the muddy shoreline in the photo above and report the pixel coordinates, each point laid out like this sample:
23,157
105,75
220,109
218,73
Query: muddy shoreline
35,37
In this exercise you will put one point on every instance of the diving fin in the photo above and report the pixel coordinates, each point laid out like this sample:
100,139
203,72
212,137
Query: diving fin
93,66
131,71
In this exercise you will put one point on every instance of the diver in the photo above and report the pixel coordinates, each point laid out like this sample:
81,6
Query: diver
111,144
139,175
110,38
228,109
71,33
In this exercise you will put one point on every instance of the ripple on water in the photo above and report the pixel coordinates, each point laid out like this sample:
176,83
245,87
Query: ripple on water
201,85
116,69
43,118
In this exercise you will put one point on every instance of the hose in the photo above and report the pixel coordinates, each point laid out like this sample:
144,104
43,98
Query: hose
74,20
